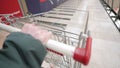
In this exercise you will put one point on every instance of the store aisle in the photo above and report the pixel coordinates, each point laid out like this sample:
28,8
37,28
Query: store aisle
106,38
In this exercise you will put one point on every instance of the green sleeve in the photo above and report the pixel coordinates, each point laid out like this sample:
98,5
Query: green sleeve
21,51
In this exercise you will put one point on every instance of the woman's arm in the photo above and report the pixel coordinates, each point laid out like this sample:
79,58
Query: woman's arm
24,49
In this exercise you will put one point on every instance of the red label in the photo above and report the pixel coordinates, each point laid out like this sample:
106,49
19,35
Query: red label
42,1
10,7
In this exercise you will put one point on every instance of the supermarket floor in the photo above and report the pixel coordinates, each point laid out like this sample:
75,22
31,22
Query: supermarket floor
106,38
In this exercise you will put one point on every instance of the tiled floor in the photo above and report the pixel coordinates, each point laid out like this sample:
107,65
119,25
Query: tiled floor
106,38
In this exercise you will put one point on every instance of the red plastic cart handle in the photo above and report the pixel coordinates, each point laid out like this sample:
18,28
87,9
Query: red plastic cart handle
83,54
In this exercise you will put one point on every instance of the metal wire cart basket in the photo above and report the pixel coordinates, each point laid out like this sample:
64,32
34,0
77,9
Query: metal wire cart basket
65,49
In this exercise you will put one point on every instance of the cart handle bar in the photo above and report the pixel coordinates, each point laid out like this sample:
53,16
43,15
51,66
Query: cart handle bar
81,55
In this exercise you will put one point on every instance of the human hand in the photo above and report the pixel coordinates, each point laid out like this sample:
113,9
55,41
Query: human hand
37,32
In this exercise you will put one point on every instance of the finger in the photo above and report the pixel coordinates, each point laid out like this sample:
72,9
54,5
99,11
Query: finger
30,28
25,27
49,35
46,36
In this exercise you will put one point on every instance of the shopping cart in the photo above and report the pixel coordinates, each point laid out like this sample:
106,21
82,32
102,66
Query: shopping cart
64,50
